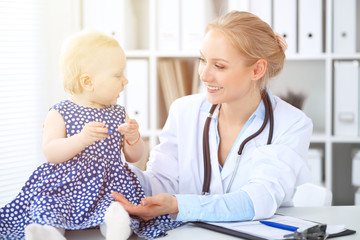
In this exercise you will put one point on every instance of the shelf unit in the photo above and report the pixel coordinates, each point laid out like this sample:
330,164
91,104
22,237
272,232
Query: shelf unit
312,74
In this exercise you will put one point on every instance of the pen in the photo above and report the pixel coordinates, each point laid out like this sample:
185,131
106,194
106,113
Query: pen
279,225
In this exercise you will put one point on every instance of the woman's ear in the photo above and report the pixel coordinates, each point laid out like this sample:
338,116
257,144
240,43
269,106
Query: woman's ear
259,69
86,82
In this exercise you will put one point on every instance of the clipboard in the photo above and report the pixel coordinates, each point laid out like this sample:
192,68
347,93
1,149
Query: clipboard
253,230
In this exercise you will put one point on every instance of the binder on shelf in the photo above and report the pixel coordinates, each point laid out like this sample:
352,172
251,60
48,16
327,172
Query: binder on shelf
106,16
136,92
344,26
310,26
182,79
192,32
262,9
355,178
285,22
167,79
168,25
346,98
196,78
239,5
316,166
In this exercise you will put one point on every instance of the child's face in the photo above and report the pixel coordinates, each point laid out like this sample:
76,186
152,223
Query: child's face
108,76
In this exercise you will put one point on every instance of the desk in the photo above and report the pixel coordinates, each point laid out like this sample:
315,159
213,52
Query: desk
338,215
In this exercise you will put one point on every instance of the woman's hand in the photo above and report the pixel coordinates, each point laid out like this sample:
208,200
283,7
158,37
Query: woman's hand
130,130
149,207
92,132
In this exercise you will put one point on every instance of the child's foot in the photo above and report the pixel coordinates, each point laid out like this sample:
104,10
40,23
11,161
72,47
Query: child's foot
117,223
36,231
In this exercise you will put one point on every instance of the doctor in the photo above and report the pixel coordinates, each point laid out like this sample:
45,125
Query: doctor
239,54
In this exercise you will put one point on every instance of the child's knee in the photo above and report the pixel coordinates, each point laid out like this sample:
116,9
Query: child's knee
116,213
117,223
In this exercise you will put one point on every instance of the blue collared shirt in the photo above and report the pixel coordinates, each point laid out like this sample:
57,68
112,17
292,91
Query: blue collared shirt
233,206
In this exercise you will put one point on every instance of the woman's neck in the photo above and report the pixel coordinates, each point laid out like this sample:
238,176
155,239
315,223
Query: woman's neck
237,113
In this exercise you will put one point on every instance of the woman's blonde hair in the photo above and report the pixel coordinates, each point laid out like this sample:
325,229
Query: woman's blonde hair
254,39
79,50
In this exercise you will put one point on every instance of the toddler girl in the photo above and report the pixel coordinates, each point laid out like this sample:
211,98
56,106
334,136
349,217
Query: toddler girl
83,139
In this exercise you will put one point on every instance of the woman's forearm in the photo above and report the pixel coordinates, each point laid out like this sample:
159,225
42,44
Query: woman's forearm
235,206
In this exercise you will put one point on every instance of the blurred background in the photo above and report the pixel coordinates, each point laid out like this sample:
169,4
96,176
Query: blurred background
162,39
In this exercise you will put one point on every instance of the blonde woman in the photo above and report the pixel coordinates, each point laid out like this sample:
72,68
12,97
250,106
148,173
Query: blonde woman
255,143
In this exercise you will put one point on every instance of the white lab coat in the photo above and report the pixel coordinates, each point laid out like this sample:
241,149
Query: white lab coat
268,173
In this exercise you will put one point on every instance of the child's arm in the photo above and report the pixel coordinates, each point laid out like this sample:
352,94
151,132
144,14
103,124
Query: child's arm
58,148
133,144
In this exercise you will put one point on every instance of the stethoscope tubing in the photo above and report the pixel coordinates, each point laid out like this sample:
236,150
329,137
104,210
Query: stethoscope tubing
269,117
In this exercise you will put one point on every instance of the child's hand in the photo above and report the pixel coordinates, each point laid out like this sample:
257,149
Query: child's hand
92,132
130,130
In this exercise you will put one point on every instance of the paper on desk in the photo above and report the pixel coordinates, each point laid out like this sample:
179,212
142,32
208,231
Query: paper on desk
255,228
331,229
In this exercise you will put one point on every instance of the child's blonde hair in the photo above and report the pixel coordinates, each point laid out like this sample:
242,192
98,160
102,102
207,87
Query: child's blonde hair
254,39
78,51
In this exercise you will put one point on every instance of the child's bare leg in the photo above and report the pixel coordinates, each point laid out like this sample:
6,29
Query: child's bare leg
36,231
117,223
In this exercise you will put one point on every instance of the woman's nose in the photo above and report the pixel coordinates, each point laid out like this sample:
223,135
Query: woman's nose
204,73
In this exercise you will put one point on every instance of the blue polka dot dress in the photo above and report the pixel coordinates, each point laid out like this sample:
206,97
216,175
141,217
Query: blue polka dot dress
75,194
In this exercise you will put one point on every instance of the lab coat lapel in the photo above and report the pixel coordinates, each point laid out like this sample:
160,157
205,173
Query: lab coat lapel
216,186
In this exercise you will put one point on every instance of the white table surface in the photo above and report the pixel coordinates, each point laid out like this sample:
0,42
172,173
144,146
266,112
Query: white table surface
337,215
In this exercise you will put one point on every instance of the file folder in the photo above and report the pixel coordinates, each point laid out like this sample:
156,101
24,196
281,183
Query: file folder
344,26
238,5
285,22
194,16
262,9
106,16
168,25
310,26
316,166
136,92
346,98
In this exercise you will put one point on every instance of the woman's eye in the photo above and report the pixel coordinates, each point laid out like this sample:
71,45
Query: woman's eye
201,59
219,66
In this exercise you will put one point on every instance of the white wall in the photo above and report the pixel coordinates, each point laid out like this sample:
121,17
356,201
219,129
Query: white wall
62,18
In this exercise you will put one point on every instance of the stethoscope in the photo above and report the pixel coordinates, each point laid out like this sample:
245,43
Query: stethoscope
206,150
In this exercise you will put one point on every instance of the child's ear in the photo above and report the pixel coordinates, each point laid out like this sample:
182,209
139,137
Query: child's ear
259,69
86,82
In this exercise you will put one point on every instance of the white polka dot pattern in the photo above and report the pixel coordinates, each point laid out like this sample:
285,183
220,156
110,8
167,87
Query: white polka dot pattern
76,194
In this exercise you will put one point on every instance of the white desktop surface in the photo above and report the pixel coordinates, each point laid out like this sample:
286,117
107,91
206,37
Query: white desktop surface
337,215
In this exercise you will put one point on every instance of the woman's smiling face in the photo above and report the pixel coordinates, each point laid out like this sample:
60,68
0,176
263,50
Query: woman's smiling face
223,69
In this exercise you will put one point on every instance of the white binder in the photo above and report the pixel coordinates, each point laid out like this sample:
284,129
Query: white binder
316,166
310,27
344,26
194,16
136,92
106,16
238,5
168,25
346,98
262,9
285,22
